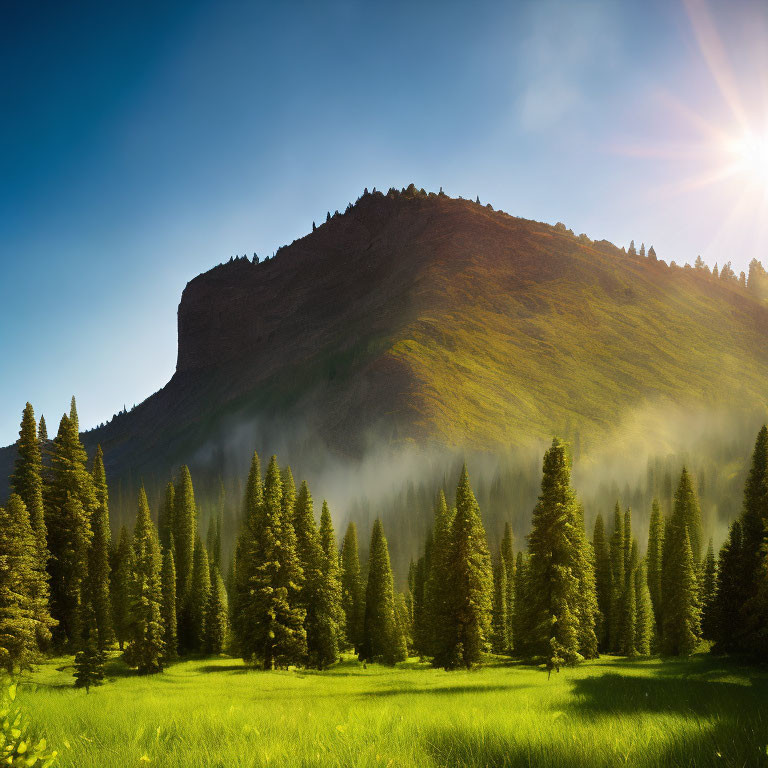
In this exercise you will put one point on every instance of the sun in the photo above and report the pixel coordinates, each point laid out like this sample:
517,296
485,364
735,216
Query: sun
750,157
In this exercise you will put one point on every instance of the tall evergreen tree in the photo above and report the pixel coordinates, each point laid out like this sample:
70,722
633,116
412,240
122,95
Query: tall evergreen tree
69,503
499,638
681,618
98,560
243,615
603,582
42,432
561,568
217,615
352,595
168,608
687,510
146,649
328,607
508,555
200,596
654,561
279,637
27,483
122,578
438,608
19,577
165,517
471,581
379,628
618,580
726,613
708,583
629,593
644,620
402,628
184,535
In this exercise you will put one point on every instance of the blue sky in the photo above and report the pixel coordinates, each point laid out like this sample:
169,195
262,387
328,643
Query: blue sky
142,143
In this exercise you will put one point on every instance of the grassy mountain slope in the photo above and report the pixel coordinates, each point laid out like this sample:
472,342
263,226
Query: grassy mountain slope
425,319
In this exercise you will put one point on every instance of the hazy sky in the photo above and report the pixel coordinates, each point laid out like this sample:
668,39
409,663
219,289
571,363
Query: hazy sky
142,143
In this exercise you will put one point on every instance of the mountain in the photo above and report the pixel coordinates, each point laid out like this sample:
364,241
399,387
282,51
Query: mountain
422,319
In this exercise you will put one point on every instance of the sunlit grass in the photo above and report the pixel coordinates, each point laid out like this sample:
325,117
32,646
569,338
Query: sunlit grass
214,712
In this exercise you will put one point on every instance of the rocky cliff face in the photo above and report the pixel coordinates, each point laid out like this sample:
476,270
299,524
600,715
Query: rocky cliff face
415,319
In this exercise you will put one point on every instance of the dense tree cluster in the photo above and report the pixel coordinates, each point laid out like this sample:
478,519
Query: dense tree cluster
293,597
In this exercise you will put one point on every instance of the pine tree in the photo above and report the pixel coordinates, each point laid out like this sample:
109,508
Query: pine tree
525,614
438,608
499,639
618,581
42,432
98,559
379,628
122,578
329,602
687,510
708,582
603,582
508,556
629,594
753,620
654,561
200,596
561,575
165,518
27,483
69,503
726,613
217,616
168,608
243,615
184,535
470,576
310,558
402,628
279,637
681,627
146,649
352,595
89,665
644,620
19,575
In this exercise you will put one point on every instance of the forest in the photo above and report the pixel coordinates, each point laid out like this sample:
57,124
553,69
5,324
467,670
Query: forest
290,596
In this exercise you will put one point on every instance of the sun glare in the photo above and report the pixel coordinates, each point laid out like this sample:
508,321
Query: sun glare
750,153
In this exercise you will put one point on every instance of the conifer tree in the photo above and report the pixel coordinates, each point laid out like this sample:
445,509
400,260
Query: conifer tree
330,597
184,535
42,432
352,595
98,560
687,510
168,608
508,556
681,620
618,579
644,620
751,629
629,594
726,614
122,578
217,615
146,649
200,596
27,483
165,518
438,608
279,637
561,576
69,503
603,582
470,576
499,640
380,642
89,665
708,584
654,561
243,615
19,575
402,628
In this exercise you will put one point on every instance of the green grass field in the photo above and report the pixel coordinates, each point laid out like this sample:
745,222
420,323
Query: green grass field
215,712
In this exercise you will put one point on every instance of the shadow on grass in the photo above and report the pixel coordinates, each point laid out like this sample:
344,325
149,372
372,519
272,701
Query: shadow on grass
439,689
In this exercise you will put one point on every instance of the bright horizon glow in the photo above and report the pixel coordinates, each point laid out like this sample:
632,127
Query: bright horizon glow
140,149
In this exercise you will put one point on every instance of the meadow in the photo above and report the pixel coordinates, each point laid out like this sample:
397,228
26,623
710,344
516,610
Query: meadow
216,712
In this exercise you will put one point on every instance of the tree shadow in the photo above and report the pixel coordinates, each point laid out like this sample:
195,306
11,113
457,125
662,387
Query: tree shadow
440,689
237,669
